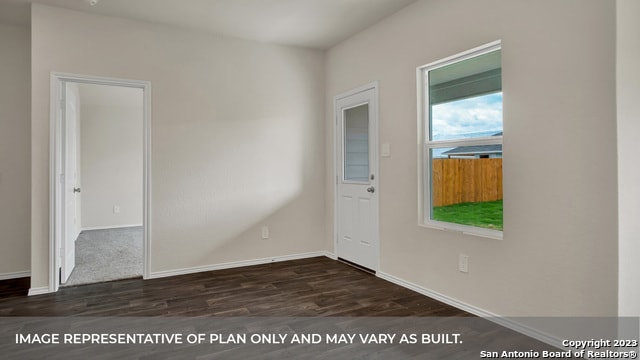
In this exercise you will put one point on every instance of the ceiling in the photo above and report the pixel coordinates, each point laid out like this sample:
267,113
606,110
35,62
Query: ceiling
309,23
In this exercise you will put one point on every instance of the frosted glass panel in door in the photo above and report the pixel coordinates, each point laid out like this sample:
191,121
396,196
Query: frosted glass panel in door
356,143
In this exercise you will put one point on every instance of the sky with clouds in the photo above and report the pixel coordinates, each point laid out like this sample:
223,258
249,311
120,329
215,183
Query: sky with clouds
472,117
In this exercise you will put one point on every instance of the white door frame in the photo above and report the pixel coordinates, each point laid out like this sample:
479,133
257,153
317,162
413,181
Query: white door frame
55,163
337,161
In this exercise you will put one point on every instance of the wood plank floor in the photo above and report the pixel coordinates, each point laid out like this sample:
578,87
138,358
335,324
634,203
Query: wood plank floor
299,296
309,287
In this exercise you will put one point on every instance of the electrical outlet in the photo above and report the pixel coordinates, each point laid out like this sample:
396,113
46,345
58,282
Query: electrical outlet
116,209
265,232
463,263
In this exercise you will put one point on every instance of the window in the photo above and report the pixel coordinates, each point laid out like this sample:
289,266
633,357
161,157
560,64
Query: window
356,144
460,125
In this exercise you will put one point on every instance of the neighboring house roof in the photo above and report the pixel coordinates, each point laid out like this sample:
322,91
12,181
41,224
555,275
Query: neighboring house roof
474,150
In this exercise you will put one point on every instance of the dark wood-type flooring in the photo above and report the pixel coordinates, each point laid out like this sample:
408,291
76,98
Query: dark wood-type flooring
317,290
309,287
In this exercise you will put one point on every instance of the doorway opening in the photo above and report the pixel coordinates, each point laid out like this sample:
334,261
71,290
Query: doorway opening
100,180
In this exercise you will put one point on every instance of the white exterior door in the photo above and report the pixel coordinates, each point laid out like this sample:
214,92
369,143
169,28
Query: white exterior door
357,177
71,188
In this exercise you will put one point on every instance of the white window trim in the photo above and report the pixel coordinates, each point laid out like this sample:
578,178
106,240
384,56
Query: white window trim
424,172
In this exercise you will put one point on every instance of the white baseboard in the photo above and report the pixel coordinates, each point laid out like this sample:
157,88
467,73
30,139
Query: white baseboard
15,275
330,255
235,264
506,322
110,227
38,291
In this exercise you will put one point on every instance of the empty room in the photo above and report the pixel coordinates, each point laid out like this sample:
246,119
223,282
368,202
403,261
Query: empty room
294,171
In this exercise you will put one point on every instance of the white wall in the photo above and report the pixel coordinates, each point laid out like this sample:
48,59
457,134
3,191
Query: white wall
14,150
628,93
559,253
111,148
237,136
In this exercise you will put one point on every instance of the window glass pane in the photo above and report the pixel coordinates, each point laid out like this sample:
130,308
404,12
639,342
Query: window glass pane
463,103
465,98
466,185
356,144
474,117
475,76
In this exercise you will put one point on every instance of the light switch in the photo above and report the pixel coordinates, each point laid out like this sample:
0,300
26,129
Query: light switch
385,150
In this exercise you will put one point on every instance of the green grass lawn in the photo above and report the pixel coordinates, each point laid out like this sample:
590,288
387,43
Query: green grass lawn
487,214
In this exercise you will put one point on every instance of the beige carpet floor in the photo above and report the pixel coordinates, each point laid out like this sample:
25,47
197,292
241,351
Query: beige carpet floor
105,255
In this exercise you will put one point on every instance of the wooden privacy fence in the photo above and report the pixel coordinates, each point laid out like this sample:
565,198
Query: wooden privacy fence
466,180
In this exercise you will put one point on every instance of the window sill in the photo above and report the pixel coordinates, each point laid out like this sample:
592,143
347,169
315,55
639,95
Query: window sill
465,230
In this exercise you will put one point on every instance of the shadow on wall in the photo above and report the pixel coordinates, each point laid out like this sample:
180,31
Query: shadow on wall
234,179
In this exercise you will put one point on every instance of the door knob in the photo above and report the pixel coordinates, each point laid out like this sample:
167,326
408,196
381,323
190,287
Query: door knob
371,189
76,190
